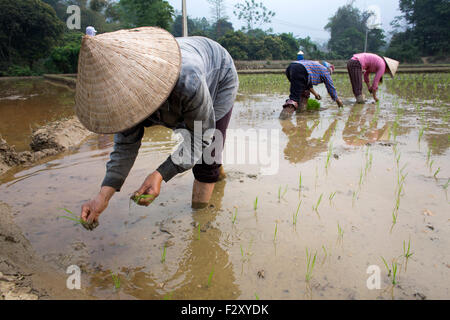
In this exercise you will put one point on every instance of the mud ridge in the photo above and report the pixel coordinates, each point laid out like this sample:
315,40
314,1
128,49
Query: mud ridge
49,140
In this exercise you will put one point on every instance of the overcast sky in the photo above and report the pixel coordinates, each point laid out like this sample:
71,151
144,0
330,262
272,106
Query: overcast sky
301,17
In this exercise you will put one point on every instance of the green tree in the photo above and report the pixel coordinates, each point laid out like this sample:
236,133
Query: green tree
220,28
98,5
428,26
236,43
348,28
64,57
253,13
28,31
140,13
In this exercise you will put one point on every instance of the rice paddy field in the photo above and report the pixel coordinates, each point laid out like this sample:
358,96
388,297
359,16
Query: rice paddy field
356,193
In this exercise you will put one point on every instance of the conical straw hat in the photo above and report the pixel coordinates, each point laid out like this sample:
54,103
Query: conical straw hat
392,65
124,76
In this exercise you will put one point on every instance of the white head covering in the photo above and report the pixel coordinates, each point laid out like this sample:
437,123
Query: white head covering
90,31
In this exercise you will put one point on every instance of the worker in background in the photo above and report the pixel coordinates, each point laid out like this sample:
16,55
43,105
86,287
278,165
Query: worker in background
303,75
369,63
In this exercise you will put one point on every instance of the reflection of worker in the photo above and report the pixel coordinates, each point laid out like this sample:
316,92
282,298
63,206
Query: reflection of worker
300,146
357,133
303,75
370,63
200,96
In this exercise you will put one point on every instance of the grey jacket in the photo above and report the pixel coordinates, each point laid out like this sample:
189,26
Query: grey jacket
205,91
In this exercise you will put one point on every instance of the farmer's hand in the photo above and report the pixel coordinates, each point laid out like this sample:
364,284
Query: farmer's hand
339,103
318,97
91,210
151,186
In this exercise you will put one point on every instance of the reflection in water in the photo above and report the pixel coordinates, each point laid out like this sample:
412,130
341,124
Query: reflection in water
202,255
29,104
301,147
361,126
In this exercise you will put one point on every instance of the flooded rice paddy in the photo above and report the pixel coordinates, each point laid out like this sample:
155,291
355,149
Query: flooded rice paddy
354,188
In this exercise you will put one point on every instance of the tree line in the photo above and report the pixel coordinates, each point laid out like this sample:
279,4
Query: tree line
34,38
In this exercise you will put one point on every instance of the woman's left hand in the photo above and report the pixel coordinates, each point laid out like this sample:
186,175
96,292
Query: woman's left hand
150,186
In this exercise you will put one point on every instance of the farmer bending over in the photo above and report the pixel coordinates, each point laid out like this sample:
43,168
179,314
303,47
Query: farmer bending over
199,97
370,63
303,75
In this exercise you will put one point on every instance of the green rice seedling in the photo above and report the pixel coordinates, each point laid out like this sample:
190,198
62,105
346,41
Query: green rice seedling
281,195
407,250
361,178
329,153
295,215
210,277
421,131
331,197
300,183
316,207
256,296
255,204
313,105
354,197
428,155
325,251
309,264
242,252
234,216
275,233
445,186
387,266
72,216
163,255
436,172
340,231
392,271
142,196
116,280
198,232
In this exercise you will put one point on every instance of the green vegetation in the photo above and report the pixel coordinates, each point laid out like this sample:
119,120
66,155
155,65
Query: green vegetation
313,105
73,217
116,280
295,215
255,204
316,207
310,264
210,277
392,270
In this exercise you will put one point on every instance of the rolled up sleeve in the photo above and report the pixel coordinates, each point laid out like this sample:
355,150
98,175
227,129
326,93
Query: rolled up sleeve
122,158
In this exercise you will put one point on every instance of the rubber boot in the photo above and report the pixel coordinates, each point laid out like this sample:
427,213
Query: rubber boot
361,99
201,194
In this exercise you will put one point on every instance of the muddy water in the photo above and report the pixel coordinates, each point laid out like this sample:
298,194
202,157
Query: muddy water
28,104
370,146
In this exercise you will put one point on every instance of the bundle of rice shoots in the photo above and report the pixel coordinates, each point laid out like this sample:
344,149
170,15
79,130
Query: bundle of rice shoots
313,104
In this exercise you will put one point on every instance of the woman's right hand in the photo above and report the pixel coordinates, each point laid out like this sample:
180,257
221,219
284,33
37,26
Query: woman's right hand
91,210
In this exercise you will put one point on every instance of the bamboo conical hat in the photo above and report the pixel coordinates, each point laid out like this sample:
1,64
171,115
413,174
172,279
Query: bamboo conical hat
124,76
392,65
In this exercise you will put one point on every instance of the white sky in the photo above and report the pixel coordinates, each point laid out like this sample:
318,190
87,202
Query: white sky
301,17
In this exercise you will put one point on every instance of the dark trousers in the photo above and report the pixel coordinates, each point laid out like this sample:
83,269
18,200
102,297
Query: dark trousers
298,77
355,73
209,173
